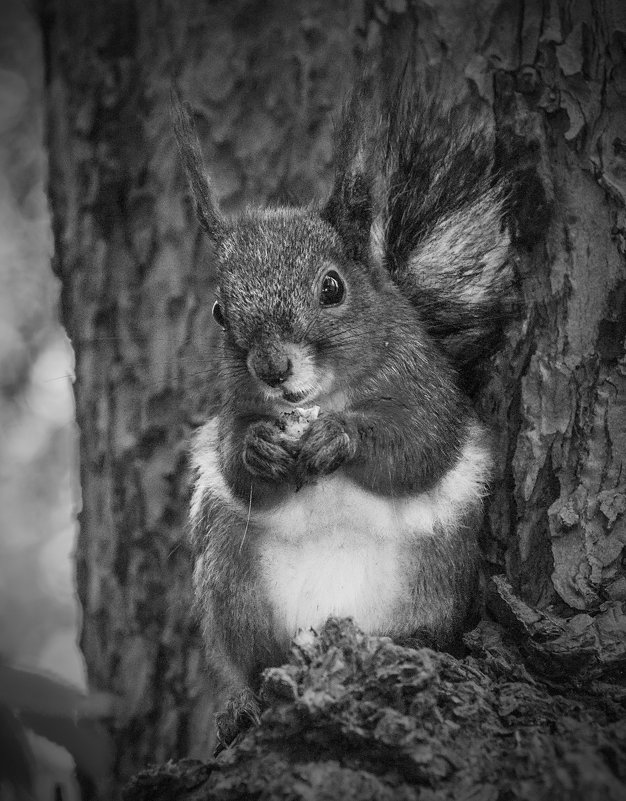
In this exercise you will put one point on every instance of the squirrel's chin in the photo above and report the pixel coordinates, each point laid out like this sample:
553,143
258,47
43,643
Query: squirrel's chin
285,402
296,398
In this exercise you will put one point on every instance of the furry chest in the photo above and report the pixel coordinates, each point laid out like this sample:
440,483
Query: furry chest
334,549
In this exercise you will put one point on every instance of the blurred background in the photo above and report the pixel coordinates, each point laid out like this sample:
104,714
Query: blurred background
39,488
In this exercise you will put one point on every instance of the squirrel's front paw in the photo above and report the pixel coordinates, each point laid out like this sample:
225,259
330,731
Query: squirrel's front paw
267,453
328,443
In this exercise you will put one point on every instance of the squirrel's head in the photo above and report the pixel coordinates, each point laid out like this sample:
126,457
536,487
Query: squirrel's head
297,288
288,300
293,304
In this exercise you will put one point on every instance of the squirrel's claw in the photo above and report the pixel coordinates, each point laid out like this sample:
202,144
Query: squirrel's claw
267,454
242,711
326,445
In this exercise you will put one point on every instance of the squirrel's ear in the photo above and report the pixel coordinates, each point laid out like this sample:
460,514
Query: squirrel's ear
350,207
202,193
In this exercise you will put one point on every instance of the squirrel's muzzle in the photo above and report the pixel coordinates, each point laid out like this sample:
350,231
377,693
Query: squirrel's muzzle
270,364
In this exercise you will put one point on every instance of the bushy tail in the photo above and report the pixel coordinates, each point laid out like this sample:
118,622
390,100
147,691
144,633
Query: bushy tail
421,177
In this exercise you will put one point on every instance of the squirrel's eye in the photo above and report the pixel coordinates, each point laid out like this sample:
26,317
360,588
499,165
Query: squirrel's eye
218,315
333,289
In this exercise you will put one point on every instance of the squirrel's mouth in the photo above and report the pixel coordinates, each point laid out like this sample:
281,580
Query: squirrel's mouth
295,397
288,395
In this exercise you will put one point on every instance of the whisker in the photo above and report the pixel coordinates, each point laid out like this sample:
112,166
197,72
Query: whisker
243,539
174,549
59,378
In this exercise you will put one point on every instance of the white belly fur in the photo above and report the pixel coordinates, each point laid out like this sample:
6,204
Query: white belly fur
336,549
332,549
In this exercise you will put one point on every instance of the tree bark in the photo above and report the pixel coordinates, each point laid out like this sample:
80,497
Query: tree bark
557,519
263,79
355,718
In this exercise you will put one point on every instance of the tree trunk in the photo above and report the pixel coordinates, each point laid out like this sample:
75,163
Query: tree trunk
559,395
263,79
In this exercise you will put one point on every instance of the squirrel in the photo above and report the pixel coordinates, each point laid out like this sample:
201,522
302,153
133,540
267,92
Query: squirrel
359,315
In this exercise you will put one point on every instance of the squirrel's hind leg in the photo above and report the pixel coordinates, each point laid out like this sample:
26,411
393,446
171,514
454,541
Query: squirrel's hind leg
242,711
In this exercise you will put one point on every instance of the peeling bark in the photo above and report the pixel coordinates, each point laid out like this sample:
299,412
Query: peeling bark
566,465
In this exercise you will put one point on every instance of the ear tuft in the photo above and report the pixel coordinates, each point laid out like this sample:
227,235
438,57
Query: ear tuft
349,209
206,207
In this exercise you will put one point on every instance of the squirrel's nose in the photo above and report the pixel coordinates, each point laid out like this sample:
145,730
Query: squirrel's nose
275,379
273,368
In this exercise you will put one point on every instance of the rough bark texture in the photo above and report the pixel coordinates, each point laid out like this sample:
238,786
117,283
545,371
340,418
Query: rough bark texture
361,718
263,78
560,105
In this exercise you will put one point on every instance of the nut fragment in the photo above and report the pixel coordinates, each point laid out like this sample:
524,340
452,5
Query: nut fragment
295,422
